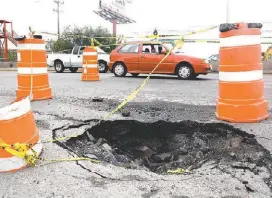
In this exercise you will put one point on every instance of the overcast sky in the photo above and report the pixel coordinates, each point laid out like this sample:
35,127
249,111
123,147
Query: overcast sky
169,14
166,15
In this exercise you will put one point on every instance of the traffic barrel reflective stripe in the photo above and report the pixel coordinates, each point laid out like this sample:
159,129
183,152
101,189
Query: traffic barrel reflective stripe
241,85
90,65
32,70
17,125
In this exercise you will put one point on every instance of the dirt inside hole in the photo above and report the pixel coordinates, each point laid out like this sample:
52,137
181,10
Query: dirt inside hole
161,146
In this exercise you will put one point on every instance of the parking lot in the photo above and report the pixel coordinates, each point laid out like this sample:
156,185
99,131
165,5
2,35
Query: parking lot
77,105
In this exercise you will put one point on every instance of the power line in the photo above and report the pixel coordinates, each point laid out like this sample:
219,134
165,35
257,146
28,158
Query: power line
58,11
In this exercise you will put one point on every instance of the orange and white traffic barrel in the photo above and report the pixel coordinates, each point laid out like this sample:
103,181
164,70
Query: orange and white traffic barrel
32,69
241,85
90,70
17,126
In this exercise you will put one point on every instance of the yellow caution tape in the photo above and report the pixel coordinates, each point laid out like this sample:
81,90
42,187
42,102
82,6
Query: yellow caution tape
22,150
71,159
134,93
177,171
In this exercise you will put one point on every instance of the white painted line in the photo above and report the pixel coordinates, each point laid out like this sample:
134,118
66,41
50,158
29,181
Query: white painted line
15,110
31,46
241,40
34,70
89,53
241,76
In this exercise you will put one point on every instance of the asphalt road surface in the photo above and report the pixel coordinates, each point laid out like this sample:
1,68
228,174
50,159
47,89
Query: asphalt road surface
163,98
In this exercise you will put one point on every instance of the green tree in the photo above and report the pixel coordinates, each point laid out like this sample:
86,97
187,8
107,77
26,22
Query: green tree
81,36
62,44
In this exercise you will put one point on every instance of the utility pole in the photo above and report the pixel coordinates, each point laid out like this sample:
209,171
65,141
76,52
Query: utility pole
58,11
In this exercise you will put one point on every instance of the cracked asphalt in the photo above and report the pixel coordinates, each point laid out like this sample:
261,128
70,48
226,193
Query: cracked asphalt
163,98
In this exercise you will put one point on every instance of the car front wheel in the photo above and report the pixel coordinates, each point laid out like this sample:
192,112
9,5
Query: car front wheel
185,72
119,70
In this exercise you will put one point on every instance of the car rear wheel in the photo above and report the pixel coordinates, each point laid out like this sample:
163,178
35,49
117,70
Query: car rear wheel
102,66
59,67
135,74
185,72
119,70
73,69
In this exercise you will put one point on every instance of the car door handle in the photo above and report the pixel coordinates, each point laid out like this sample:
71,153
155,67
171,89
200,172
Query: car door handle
78,56
142,56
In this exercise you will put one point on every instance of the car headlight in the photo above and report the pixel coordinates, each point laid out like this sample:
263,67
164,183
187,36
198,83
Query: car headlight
205,61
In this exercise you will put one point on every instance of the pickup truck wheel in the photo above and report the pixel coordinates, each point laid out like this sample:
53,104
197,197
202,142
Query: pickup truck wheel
73,69
59,67
185,72
119,70
102,66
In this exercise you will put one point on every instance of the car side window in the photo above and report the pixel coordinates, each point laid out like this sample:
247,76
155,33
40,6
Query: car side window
81,50
129,48
146,49
150,48
75,51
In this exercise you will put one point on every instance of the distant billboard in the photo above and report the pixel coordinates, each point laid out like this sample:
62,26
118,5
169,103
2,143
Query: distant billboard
117,4
114,10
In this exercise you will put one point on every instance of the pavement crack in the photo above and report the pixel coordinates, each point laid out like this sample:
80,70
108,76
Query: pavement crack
261,137
102,176
245,183
58,116
127,180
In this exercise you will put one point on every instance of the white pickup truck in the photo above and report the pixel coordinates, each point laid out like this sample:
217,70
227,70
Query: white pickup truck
72,60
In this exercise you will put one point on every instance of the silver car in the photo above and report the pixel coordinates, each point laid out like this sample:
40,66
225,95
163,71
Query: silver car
214,61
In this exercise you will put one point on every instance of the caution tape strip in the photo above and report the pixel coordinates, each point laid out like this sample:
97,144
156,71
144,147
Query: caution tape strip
135,92
22,150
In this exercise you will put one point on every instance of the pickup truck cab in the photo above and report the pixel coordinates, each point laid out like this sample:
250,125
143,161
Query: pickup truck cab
142,57
72,59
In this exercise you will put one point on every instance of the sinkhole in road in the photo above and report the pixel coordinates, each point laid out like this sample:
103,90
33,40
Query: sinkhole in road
161,145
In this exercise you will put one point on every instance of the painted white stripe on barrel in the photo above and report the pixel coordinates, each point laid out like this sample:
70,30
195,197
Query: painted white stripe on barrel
31,46
35,70
18,56
89,53
241,76
15,110
14,163
90,65
241,40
